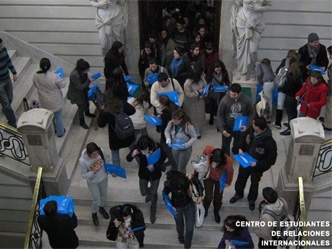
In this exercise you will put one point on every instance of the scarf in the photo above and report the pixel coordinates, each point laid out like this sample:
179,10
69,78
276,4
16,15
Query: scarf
313,52
175,66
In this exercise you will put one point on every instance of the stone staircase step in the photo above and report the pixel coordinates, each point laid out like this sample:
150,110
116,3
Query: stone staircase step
12,54
21,65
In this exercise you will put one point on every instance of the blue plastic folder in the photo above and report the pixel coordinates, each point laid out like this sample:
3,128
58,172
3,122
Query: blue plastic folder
304,102
219,89
239,122
60,72
154,157
92,92
112,169
96,76
245,159
173,96
152,78
169,205
129,79
317,68
239,243
153,120
177,145
206,90
222,181
136,229
66,204
131,88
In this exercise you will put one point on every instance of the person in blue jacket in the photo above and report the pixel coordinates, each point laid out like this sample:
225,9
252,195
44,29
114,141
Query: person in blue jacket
235,234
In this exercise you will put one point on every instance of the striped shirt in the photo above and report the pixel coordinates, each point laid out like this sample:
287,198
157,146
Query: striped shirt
5,65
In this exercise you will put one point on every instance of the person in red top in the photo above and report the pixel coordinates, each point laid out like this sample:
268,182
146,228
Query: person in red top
315,91
219,163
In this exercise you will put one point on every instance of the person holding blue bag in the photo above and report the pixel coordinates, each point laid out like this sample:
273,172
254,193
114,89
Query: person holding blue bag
59,227
92,169
219,163
235,236
145,151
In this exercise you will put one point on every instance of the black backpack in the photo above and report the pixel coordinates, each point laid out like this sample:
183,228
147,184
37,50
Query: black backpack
283,216
124,127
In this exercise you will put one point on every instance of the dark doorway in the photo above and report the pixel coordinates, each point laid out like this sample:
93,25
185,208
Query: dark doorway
152,16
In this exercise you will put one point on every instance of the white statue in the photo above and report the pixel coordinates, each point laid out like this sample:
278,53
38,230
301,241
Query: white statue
111,20
247,26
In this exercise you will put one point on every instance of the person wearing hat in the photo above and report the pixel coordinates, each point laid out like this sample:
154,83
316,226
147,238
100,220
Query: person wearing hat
259,144
312,53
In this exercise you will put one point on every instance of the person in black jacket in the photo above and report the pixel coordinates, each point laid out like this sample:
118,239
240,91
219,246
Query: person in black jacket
259,144
179,184
313,53
124,219
113,106
148,173
115,58
59,227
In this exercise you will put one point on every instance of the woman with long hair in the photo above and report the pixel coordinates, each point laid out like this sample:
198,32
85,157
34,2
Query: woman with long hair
115,58
194,102
195,56
116,85
49,86
181,131
78,90
91,163
232,231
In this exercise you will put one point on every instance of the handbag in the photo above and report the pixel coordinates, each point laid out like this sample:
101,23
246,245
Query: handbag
200,213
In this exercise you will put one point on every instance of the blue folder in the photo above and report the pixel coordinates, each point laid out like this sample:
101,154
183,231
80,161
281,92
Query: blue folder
131,88
153,120
239,122
59,72
136,229
92,92
169,205
222,181
304,102
152,78
96,76
112,169
173,96
244,159
177,145
239,243
66,204
205,91
154,157
219,89
129,79
317,68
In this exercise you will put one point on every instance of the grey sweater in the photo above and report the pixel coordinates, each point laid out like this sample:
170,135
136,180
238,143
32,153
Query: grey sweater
264,73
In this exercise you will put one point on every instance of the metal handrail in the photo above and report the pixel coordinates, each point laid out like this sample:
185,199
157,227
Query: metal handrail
300,213
12,145
33,238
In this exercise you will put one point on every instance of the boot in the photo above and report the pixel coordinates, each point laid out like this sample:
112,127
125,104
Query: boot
153,209
206,210
216,216
277,123
104,213
83,124
95,219
88,114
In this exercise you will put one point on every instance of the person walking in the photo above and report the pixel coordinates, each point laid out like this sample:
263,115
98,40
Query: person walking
93,171
78,90
49,86
6,86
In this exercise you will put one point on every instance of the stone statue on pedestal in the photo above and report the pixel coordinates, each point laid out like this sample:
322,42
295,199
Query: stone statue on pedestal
247,27
111,20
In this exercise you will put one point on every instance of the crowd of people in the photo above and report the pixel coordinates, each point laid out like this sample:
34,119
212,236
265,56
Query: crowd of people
183,56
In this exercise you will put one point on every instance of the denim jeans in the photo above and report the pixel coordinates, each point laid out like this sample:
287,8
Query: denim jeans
99,194
189,214
152,191
58,124
268,88
116,157
182,158
6,98
281,100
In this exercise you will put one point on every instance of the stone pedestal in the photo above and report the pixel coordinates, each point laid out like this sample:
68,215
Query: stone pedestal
38,135
307,136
